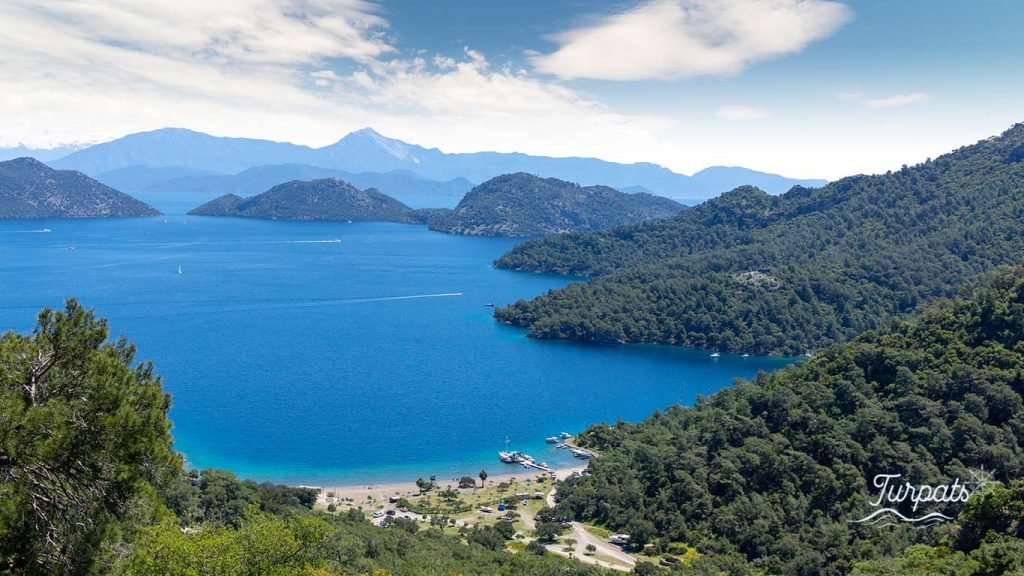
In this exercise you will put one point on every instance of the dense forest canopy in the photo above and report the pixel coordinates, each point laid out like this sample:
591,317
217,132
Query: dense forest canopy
749,272
767,476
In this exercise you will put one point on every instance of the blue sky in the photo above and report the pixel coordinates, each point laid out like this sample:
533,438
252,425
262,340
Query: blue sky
807,88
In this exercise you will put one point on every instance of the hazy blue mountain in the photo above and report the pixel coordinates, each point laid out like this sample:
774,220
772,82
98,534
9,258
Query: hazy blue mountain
31,189
187,183
368,151
41,154
182,148
712,181
134,179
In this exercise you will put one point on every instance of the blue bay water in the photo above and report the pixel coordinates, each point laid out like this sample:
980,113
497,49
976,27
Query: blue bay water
323,353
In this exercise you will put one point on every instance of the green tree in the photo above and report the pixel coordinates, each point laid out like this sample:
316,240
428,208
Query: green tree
506,529
262,545
483,477
83,436
548,531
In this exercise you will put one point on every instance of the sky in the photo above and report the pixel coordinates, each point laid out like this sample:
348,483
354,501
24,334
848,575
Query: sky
804,88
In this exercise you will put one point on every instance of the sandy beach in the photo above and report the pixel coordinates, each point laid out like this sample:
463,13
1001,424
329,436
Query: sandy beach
372,495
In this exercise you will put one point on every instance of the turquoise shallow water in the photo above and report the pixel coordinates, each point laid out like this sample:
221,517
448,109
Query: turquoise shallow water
335,352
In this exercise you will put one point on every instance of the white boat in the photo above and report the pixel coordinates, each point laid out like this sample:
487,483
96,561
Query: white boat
551,440
581,453
715,355
179,268
515,457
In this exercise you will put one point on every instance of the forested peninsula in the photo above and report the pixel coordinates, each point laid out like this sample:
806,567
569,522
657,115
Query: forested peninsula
785,275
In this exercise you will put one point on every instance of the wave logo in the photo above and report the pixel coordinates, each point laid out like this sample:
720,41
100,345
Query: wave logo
893,494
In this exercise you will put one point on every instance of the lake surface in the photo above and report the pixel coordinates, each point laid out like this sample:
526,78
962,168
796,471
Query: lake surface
333,352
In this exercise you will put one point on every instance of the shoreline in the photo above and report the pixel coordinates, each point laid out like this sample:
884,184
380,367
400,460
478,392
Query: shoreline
357,494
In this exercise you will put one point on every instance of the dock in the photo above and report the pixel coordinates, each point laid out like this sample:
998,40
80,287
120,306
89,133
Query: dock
531,464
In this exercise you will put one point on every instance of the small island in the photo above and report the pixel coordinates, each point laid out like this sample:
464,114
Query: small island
324,199
525,205
31,189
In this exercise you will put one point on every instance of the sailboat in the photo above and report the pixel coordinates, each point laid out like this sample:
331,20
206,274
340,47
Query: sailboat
506,456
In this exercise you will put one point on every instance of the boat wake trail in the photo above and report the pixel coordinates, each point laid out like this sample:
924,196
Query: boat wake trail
39,231
332,241
413,297
346,301
228,306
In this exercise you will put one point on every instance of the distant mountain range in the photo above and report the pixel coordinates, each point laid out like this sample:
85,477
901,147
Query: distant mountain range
324,199
182,153
527,205
201,185
41,154
31,189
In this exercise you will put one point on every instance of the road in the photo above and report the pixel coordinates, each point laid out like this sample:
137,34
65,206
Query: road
625,562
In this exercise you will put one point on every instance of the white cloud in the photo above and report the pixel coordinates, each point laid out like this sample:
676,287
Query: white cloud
301,70
668,39
467,98
899,100
734,112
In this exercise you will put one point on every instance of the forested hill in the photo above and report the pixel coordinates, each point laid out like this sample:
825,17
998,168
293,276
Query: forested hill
526,205
31,189
324,199
748,272
767,476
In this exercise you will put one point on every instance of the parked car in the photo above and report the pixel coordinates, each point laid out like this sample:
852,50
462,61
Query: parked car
619,539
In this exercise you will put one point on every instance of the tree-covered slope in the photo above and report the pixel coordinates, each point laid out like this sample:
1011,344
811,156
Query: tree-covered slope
526,205
770,474
325,199
31,189
748,272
